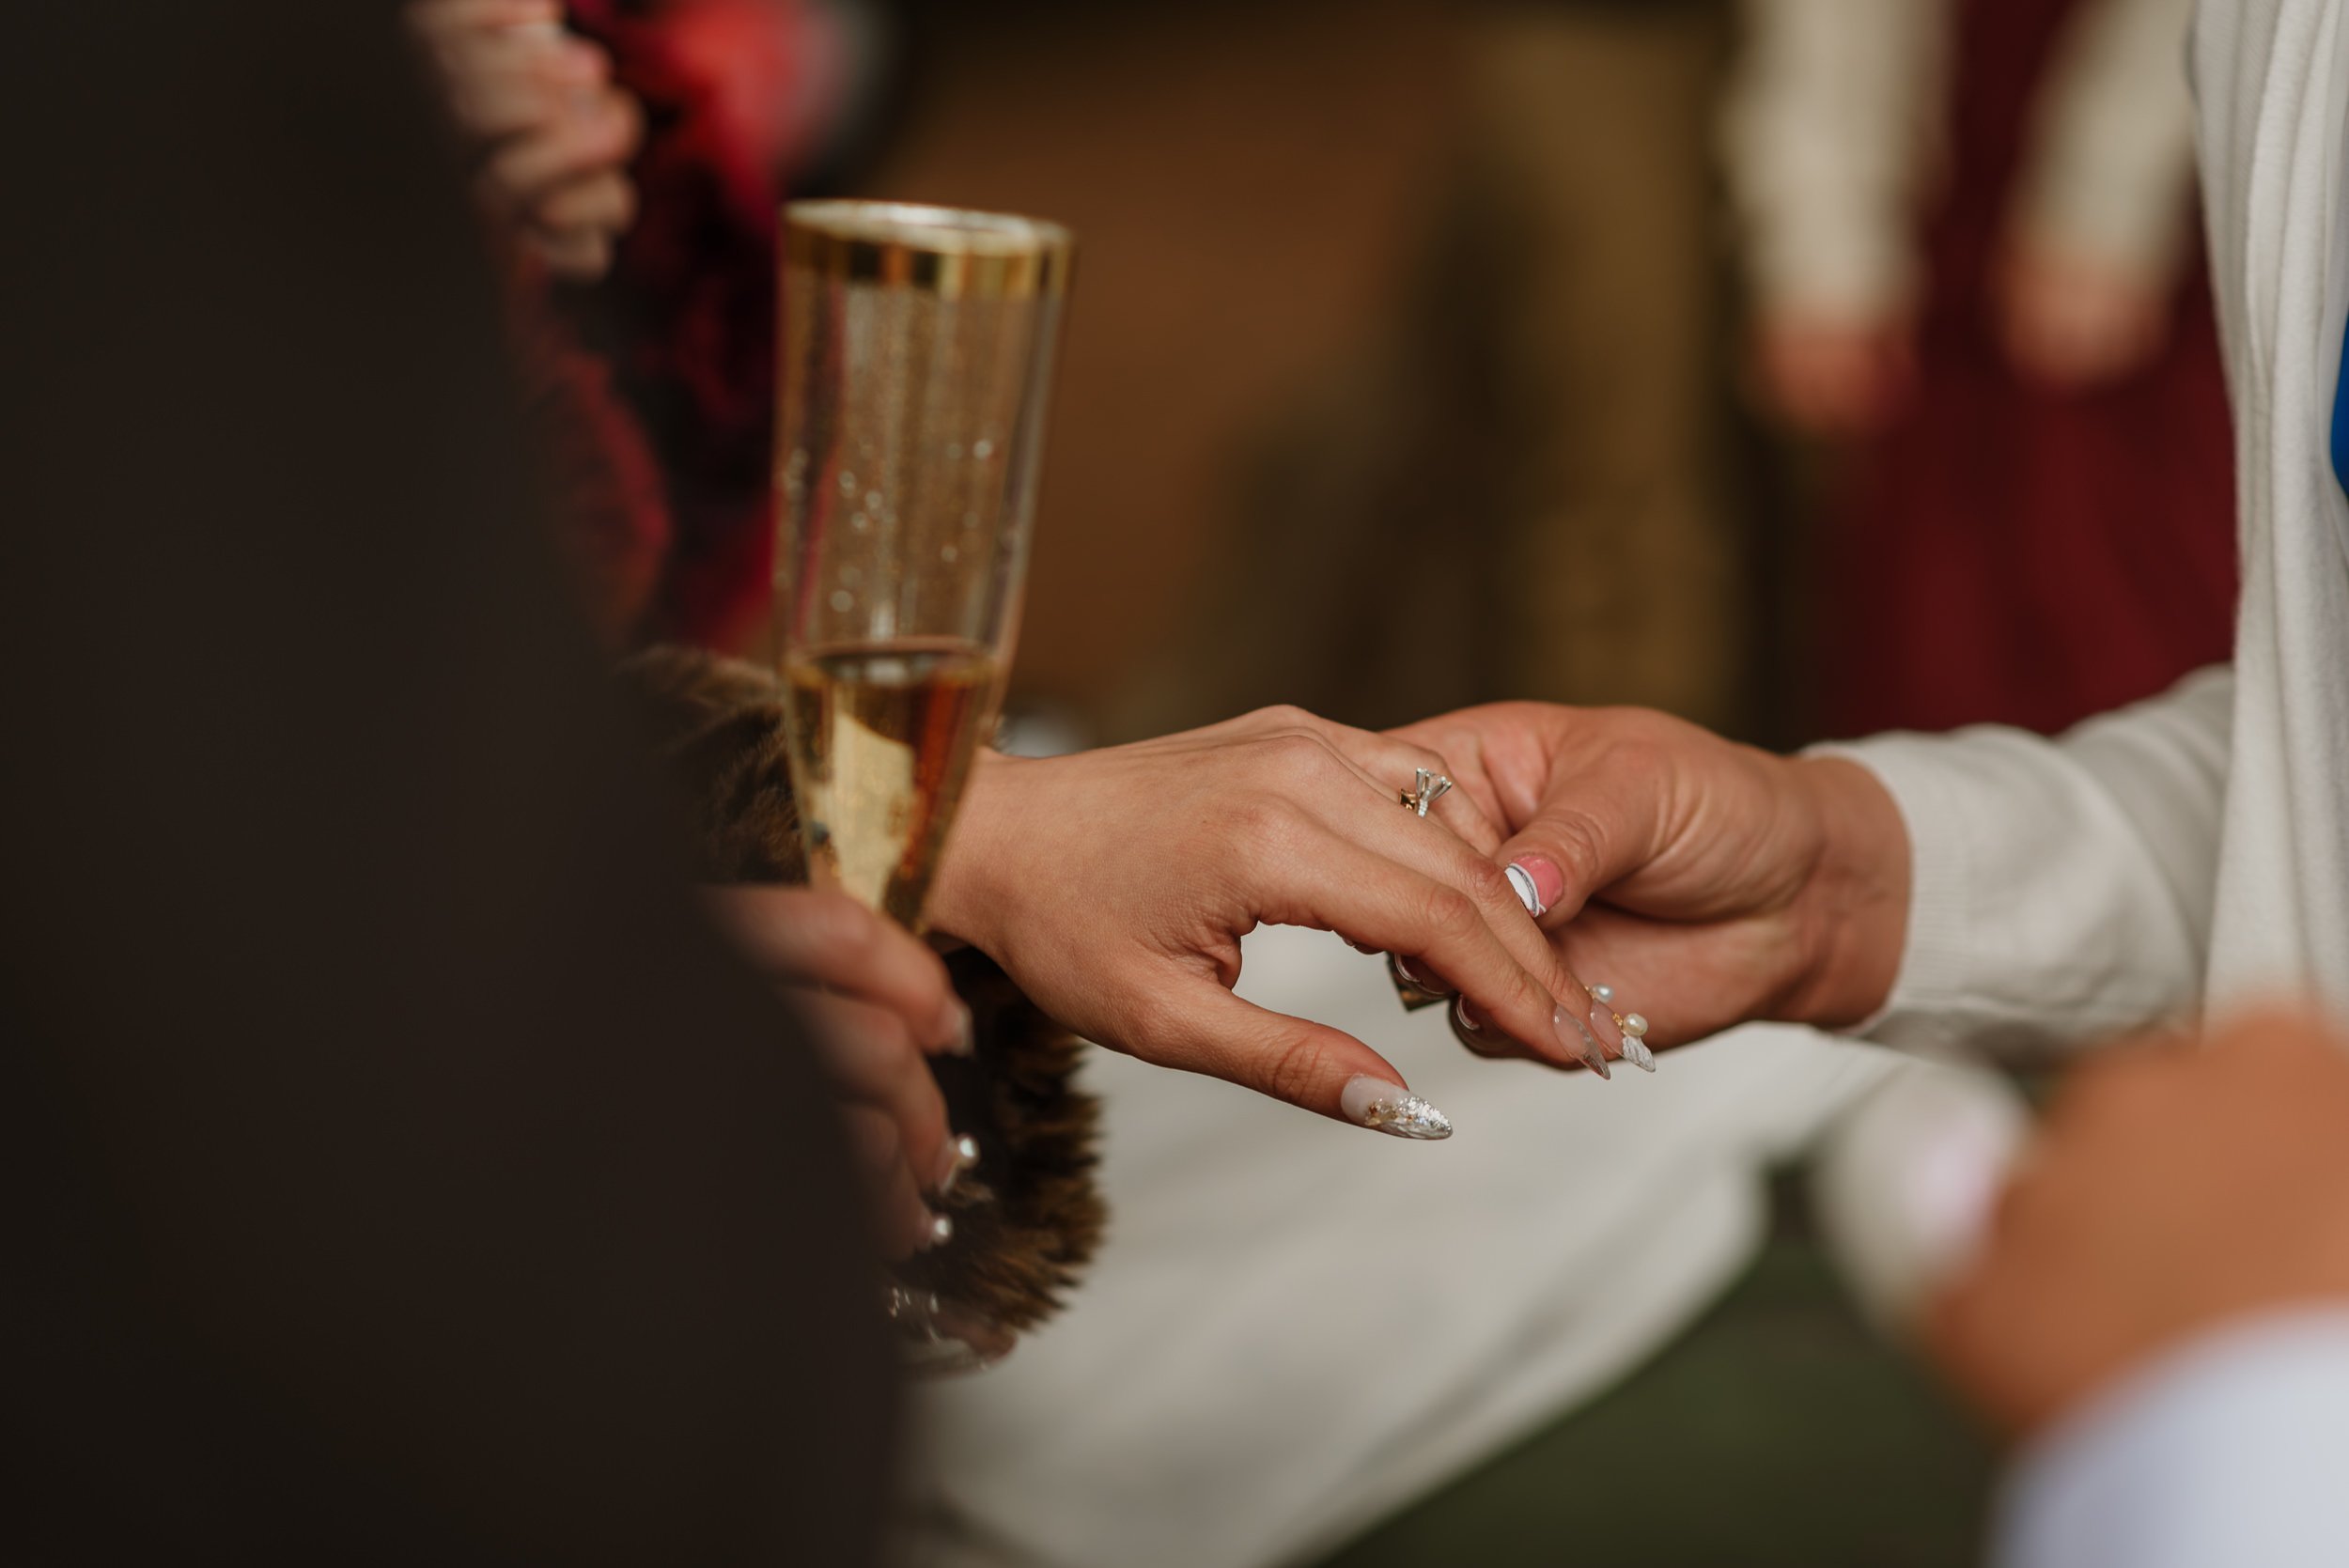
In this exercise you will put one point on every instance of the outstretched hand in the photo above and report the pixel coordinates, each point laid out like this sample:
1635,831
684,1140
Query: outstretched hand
1114,886
1708,883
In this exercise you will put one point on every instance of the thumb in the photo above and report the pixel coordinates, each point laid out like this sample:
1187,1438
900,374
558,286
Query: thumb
1321,1069
1590,830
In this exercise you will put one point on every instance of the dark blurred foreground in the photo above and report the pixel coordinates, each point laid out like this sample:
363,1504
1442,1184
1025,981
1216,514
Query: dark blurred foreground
393,1170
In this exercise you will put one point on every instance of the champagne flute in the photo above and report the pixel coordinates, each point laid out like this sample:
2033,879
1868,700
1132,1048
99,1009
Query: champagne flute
917,357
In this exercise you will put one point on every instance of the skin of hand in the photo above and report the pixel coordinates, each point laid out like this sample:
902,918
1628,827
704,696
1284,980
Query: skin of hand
1115,885
2174,1188
2075,322
1833,375
1709,884
877,1003
556,133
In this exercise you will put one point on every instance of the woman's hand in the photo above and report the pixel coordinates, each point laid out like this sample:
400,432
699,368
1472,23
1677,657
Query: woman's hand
877,1003
557,133
1114,886
1707,883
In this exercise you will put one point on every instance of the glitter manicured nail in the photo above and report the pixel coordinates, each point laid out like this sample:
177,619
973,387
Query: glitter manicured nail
1390,1109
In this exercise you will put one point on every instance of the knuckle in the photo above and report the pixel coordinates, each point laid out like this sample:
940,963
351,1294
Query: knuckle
853,940
1421,756
877,1141
1152,1028
1266,822
1296,1061
1285,716
889,1038
1299,755
1448,912
1487,883
1580,845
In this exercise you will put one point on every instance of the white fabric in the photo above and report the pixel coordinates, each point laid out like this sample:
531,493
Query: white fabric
1827,138
1297,1328
2196,849
2232,1450
2112,140
1903,1183
1831,144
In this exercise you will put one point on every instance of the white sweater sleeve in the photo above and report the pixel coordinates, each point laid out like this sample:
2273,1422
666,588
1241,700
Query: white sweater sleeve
2112,159
2228,1450
2061,891
1825,142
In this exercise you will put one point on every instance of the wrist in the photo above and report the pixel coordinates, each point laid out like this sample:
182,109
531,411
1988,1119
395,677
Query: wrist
1852,912
972,881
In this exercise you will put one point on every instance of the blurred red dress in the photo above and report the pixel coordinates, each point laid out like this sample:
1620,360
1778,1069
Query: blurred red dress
2009,553
652,392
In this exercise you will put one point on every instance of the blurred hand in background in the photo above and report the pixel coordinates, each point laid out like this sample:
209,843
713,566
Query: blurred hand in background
2076,321
555,133
1831,376
2173,1190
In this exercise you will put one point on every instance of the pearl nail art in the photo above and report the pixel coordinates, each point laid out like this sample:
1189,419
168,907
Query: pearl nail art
1390,1109
1632,1027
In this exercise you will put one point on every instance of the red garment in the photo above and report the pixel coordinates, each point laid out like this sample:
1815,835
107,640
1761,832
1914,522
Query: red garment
654,390
2009,553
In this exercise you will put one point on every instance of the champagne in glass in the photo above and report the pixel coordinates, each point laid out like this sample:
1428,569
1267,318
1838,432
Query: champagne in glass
881,738
917,353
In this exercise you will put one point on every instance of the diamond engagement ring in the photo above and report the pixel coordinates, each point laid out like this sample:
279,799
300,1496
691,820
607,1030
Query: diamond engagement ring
1427,789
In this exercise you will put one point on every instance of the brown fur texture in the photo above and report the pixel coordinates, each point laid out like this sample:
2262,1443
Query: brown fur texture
1028,1219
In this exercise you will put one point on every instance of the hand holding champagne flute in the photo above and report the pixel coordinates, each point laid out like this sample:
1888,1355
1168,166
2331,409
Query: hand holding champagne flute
1112,886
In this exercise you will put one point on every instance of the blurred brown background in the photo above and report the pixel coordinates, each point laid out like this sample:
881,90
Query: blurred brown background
1247,183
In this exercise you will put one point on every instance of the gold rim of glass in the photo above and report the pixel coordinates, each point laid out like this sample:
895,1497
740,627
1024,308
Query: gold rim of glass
950,251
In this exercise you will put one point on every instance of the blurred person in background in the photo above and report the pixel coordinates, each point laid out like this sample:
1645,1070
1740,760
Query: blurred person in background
2183,858
632,154
1971,237
2160,1315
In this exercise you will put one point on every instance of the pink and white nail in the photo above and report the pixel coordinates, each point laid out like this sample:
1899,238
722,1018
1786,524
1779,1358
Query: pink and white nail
1537,883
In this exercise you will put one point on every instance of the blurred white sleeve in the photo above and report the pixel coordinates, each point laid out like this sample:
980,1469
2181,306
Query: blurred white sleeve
2234,1449
2061,891
1825,140
2112,152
